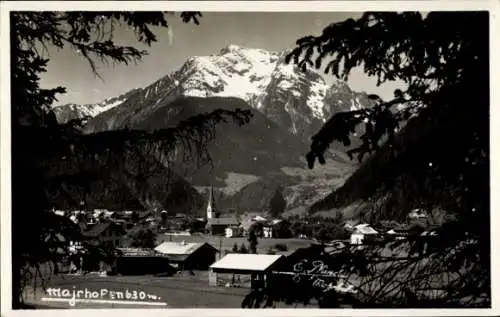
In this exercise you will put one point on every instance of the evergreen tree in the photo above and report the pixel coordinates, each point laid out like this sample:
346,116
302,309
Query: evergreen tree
282,230
243,249
277,204
164,219
428,147
39,142
252,238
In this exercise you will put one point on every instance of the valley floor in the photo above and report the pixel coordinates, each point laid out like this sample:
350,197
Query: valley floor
227,243
178,291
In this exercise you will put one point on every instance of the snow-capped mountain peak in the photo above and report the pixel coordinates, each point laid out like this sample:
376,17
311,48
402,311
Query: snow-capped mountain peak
66,112
300,101
248,73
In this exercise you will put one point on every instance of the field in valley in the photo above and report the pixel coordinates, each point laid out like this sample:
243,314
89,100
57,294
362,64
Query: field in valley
227,243
180,291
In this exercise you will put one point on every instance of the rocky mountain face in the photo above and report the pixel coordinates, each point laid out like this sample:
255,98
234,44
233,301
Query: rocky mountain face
257,148
298,101
289,107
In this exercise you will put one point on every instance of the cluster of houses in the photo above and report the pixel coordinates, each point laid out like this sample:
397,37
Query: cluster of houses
364,233
233,226
108,228
166,258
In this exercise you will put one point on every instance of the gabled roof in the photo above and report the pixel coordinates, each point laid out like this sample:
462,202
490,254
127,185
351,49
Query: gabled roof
132,252
180,248
61,213
234,228
429,233
259,218
97,229
178,251
246,262
365,229
222,221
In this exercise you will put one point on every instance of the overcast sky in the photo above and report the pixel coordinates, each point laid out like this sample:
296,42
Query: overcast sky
273,31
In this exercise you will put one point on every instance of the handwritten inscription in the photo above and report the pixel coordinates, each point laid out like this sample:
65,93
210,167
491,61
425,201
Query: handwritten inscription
316,268
316,272
320,283
320,276
74,295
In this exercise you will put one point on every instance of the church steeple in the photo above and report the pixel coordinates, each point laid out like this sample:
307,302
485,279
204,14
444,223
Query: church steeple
211,211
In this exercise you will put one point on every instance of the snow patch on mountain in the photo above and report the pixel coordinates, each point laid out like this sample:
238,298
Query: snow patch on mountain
67,112
246,73
316,99
235,73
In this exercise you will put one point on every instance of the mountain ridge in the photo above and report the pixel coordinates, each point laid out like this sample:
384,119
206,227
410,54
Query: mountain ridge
300,101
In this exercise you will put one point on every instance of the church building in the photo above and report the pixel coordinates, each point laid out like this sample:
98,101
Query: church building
215,224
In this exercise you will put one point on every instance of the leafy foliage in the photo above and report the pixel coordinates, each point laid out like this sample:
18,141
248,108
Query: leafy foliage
142,238
322,229
428,147
390,46
38,141
282,230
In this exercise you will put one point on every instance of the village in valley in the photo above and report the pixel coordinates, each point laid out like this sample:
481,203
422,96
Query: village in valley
215,251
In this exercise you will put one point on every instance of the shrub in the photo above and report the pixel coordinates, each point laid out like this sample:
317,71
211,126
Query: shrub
141,238
243,249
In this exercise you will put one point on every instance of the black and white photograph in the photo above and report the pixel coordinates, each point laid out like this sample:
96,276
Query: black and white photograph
170,158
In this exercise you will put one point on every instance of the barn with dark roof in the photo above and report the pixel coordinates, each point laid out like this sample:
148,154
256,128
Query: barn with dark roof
188,256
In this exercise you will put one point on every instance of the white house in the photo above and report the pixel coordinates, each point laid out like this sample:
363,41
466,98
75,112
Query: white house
362,233
60,213
233,231
396,234
417,214
267,231
350,225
